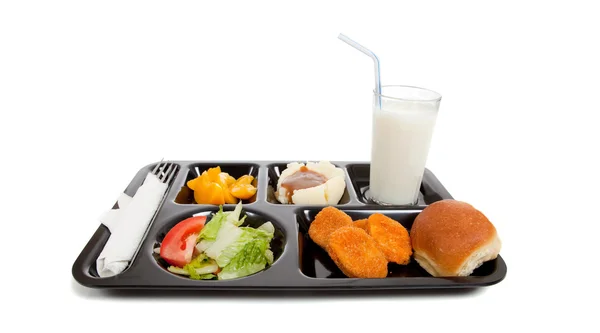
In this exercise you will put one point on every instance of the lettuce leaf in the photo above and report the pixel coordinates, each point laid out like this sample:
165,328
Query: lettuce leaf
236,243
267,227
202,273
269,256
234,217
234,247
228,236
239,251
249,260
177,270
212,227
265,231
204,244
201,265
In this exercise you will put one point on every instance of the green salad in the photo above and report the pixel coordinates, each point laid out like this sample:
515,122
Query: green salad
219,249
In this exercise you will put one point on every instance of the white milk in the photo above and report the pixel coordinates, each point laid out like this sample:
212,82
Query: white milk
402,132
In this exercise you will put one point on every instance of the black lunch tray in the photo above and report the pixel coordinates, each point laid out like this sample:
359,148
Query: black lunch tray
299,263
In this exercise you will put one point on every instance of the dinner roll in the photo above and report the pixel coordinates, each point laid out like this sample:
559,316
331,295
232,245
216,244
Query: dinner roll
452,238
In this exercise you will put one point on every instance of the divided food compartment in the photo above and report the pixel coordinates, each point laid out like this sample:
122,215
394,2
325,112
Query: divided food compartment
299,264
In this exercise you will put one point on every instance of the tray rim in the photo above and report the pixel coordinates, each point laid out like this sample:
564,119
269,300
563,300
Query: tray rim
123,281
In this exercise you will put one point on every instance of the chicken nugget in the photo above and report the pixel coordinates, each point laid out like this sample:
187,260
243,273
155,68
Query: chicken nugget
391,238
327,221
356,254
362,223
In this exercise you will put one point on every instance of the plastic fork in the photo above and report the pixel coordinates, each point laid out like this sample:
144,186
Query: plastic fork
165,171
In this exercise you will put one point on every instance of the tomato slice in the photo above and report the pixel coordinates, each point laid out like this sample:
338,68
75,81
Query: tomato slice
178,245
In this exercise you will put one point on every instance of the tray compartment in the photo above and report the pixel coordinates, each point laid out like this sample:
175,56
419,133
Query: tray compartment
274,172
316,263
185,196
431,190
254,219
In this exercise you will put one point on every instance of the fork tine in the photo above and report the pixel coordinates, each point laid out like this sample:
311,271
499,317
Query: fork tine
155,168
166,173
161,170
157,165
171,174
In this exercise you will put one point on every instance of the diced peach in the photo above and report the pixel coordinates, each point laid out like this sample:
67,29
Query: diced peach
213,174
226,179
211,194
216,187
192,183
245,179
243,191
229,198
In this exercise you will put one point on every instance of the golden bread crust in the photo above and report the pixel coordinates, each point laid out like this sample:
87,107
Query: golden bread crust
448,232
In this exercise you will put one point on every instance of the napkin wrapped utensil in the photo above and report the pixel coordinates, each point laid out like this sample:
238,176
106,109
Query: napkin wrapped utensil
128,223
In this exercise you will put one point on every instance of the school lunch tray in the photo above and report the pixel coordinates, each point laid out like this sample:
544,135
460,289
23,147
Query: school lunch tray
299,264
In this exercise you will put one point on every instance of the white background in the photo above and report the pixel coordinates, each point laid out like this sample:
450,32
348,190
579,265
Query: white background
92,91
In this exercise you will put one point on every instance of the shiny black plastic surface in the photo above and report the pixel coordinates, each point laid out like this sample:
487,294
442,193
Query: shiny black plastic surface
299,263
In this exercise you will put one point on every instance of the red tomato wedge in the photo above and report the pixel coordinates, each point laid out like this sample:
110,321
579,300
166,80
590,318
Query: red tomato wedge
179,243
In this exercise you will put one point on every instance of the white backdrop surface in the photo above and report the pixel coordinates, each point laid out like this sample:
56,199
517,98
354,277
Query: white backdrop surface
92,91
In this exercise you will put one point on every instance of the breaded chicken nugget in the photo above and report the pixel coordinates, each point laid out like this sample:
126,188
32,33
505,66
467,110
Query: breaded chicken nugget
328,220
362,223
391,238
356,253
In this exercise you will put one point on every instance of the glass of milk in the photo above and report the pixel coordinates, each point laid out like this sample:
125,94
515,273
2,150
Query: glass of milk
403,121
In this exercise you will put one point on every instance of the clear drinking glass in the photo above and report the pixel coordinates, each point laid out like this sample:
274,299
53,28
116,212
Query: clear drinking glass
403,126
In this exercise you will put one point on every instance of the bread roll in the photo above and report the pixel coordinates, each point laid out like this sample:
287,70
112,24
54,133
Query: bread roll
452,238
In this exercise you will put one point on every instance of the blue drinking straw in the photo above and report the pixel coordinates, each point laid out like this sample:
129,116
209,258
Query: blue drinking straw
375,61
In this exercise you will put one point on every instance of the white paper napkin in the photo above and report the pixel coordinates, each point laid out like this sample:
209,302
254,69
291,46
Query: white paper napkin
127,225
